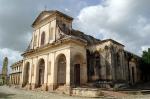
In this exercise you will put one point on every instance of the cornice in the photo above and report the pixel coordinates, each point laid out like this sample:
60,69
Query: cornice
52,45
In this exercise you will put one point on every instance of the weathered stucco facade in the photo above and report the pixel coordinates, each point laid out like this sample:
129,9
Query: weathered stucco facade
59,56
115,64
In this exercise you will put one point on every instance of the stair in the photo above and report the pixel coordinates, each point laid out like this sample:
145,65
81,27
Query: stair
61,89
114,94
38,89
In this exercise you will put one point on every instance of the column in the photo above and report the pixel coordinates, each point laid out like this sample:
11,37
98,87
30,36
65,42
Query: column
45,74
67,55
35,80
22,78
30,70
10,79
53,82
68,72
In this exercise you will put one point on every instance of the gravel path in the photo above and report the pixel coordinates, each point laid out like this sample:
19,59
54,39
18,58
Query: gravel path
13,93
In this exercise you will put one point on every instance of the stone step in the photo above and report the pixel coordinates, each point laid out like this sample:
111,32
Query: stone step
60,88
114,94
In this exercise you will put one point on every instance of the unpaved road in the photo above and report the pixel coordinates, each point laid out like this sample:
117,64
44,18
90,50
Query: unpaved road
13,93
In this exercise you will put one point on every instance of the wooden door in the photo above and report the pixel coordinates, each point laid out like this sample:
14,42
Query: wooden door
61,73
133,76
41,77
77,74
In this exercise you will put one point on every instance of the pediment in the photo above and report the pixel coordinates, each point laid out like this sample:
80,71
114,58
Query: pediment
43,15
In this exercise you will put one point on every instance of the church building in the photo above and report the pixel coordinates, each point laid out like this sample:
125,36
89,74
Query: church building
60,57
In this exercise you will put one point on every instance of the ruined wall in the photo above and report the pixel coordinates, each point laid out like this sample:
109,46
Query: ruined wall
99,62
118,63
106,62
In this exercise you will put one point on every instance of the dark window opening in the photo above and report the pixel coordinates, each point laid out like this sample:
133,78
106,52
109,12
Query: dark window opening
43,38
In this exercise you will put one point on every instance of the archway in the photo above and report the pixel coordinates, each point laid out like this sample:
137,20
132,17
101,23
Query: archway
41,70
26,73
61,69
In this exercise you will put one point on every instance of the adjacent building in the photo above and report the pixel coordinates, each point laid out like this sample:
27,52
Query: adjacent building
16,73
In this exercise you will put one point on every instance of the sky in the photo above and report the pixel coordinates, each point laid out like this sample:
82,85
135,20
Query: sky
126,21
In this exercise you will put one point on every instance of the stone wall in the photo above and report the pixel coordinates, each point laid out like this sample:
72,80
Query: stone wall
111,58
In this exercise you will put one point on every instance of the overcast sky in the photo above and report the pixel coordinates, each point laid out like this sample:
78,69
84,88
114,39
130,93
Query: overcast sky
127,21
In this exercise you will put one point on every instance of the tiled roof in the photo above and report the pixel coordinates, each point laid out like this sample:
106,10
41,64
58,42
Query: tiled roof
90,39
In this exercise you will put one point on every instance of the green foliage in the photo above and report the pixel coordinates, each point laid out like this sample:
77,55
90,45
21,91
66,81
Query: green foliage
145,65
146,56
5,65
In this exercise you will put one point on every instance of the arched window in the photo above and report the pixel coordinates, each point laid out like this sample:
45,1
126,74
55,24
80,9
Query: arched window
43,38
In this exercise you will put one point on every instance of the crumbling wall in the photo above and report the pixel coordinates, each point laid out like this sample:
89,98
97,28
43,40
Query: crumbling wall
106,62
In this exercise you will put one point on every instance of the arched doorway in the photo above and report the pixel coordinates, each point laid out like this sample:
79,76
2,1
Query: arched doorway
78,62
61,69
26,73
41,70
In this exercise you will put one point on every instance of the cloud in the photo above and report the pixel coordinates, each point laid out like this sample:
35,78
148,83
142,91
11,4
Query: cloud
16,17
126,21
13,56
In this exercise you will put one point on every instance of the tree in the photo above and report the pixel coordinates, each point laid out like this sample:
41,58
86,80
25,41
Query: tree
145,65
5,70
